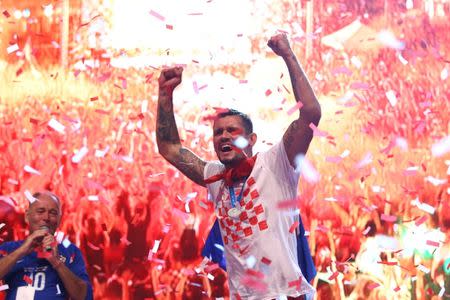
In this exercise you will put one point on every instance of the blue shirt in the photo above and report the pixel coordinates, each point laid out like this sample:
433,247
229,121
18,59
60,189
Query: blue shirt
46,281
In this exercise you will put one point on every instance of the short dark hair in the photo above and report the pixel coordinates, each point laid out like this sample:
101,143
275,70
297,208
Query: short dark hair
248,125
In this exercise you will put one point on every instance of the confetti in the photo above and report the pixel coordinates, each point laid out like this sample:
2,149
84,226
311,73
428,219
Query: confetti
373,286
316,131
169,27
293,227
306,169
268,92
421,220
388,218
433,243
12,48
4,287
27,279
390,95
31,170
333,276
296,107
93,198
435,181
6,14
423,269
56,126
156,246
444,74
157,15
80,155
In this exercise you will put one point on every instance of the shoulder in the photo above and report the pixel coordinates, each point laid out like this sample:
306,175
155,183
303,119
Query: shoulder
212,168
10,246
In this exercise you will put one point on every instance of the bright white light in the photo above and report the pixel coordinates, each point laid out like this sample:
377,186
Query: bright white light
388,39
241,142
17,14
409,4
48,10
26,13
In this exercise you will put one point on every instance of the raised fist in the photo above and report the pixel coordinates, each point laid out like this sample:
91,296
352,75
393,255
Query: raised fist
280,45
170,78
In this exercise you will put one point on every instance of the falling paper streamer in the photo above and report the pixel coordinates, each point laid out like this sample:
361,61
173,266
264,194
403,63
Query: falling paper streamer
435,181
80,155
295,108
4,287
29,196
31,170
368,158
156,246
12,48
101,153
306,169
157,15
423,269
444,74
57,126
93,198
390,95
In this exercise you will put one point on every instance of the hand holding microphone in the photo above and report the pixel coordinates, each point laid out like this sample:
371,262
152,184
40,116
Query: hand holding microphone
48,247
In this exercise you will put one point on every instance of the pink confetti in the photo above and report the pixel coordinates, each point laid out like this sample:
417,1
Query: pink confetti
268,92
195,86
31,170
333,276
316,131
293,227
421,220
27,279
397,289
388,218
288,204
157,15
6,14
433,243
169,27
333,159
266,261
296,107
373,286
94,98
366,231
359,86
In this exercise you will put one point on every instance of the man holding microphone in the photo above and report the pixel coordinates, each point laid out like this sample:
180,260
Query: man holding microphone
38,267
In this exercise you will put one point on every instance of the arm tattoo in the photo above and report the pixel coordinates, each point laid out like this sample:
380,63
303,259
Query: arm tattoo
166,128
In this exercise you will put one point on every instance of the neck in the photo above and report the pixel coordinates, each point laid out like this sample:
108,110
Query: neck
233,164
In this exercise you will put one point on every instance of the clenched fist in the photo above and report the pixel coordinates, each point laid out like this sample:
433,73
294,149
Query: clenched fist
280,45
170,78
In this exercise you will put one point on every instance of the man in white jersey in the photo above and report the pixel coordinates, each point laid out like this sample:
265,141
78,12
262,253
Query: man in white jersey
260,245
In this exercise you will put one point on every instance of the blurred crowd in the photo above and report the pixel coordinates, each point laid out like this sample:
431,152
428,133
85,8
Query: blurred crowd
141,225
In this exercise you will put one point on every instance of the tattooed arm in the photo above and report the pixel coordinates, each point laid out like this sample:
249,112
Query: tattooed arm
298,136
167,138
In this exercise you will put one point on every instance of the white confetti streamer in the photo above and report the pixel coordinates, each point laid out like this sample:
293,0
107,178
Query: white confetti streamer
31,170
57,126
80,154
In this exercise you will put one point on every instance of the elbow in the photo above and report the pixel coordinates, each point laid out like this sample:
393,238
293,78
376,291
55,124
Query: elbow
313,113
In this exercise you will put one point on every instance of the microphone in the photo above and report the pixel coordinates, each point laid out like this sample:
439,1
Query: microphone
47,248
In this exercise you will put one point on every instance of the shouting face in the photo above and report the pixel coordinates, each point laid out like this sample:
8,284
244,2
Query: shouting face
225,132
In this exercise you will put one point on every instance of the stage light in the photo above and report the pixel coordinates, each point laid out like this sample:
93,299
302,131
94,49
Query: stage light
26,13
17,14
48,10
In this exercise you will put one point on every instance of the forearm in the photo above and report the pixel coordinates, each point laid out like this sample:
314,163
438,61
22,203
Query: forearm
8,262
166,127
75,287
303,91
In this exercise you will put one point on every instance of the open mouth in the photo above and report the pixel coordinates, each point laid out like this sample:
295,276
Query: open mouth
226,148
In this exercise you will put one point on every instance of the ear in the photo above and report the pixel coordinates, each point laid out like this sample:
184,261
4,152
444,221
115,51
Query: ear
26,216
252,139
